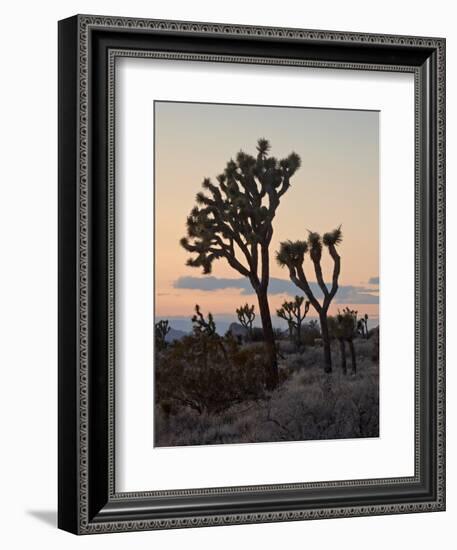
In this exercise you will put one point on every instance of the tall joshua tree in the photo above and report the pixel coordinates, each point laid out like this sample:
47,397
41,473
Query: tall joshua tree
292,313
246,317
234,221
292,255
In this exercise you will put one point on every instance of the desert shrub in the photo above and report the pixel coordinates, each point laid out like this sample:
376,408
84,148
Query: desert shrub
295,361
374,339
308,405
286,347
363,348
310,358
257,335
209,373
254,347
334,407
238,337
279,333
309,332
368,349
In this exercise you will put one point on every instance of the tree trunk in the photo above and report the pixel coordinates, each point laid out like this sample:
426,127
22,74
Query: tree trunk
298,335
343,355
272,376
353,360
291,331
325,341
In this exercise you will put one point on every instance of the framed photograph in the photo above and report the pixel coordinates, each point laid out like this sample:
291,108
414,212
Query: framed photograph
251,274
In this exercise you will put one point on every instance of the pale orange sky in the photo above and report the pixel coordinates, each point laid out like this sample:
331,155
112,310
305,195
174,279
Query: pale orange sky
338,183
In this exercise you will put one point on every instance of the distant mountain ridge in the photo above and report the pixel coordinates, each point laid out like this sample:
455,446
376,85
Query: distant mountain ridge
223,323
175,334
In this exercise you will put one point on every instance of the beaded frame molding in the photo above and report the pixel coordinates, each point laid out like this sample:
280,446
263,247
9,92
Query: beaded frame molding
88,48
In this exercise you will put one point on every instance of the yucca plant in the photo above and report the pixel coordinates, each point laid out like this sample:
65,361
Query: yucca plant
201,325
292,254
284,312
343,327
246,318
162,328
292,313
233,221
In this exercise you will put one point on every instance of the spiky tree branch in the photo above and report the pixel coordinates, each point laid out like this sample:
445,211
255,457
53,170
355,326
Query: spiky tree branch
284,312
201,325
246,317
292,313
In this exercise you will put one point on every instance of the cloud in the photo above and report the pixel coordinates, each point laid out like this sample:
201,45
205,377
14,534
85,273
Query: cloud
346,294
355,295
373,281
211,283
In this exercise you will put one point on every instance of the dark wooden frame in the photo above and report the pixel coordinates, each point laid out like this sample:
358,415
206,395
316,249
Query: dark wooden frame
88,502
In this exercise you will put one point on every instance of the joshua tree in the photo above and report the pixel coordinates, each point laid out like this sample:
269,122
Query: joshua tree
292,255
161,330
246,317
343,328
292,313
285,313
201,325
234,221
349,323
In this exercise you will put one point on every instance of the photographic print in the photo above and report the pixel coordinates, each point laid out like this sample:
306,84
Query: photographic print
266,274
233,226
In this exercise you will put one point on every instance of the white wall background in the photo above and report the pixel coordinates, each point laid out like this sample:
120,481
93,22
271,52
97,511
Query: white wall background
28,289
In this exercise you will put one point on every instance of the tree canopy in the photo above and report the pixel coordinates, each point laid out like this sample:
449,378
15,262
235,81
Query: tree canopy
233,217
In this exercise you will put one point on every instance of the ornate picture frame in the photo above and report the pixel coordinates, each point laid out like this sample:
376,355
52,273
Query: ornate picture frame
88,500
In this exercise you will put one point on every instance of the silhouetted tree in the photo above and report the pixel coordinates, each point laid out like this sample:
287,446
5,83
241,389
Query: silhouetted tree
292,255
292,313
336,330
285,313
234,221
349,322
161,330
246,317
201,325
343,327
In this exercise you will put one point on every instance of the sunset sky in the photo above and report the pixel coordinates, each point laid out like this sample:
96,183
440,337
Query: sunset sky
338,183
